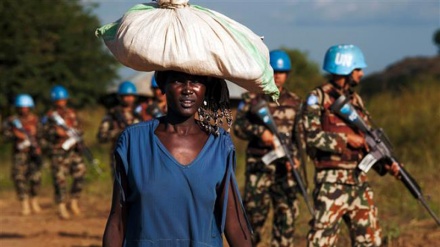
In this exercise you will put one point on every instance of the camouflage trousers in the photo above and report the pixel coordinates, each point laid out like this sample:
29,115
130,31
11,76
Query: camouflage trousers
352,203
63,164
266,185
26,174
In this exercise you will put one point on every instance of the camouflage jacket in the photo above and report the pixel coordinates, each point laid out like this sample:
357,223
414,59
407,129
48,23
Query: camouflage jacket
30,126
114,122
151,109
248,126
51,136
326,133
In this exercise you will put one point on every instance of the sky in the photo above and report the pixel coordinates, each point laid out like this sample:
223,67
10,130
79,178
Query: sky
385,30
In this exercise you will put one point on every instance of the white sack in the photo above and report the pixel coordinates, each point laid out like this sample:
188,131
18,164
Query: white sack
173,35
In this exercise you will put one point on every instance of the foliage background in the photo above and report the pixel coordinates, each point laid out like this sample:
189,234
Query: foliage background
46,42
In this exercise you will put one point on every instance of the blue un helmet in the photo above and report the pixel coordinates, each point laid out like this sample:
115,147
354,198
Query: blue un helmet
127,88
24,100
58,93
154,82
343,59
280,61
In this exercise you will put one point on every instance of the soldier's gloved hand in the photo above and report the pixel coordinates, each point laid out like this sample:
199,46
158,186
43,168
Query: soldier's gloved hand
18,134
61,132
267,138
355,141
295,166
394,169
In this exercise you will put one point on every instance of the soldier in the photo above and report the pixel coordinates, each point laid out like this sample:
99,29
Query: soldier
65,152
155,107
24,130
341,190
119,117
270,183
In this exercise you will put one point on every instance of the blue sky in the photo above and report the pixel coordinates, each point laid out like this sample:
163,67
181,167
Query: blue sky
386,30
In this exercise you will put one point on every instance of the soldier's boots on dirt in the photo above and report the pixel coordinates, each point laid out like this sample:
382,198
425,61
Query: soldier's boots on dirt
62,209
35,205
74,207
25,207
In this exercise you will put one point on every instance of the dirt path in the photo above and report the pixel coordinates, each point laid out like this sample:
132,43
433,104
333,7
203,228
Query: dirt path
47,230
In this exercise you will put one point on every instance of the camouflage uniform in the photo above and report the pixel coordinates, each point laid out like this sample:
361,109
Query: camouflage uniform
341,190
113,123
26,154
151,109
64,162
266,184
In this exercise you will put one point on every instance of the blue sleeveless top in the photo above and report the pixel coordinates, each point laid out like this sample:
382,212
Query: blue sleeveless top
170,204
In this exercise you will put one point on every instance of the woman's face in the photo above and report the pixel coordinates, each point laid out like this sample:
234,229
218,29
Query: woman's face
185,93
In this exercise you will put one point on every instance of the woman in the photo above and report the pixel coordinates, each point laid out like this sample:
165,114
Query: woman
175,181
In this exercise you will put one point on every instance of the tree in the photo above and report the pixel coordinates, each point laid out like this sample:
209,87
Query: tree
45,43
305,74
436,39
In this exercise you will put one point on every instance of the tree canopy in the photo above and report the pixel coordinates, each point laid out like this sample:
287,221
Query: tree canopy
305,74
45,43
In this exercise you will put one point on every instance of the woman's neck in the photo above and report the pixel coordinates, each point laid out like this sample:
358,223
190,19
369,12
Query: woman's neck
181,126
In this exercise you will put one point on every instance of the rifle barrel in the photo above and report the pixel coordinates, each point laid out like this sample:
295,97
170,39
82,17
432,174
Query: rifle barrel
297,177
415,190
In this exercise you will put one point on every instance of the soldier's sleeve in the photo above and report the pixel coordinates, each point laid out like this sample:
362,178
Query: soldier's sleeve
105,129
242,127
315,137
77,124
298,134
39,131
41,136
7,133
49,129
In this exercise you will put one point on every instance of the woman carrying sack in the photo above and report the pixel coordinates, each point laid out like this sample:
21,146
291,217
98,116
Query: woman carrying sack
175,183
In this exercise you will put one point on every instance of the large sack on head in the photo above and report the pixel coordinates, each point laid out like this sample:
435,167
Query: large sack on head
173,35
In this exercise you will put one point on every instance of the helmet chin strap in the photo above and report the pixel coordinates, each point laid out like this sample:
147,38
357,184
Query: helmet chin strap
351,83
348,81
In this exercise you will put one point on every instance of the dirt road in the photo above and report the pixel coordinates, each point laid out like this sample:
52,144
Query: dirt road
47,230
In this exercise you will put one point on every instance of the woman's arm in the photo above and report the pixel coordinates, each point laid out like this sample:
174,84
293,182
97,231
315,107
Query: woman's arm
236,228
116,224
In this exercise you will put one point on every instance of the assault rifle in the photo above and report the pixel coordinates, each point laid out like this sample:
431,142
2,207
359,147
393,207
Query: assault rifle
262,111
75,138
28,142
380,149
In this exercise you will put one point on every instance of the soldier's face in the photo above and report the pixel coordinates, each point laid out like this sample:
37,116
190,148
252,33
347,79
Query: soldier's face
185,93
23,110
280,78
128,100
158,94
357,75
61,103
